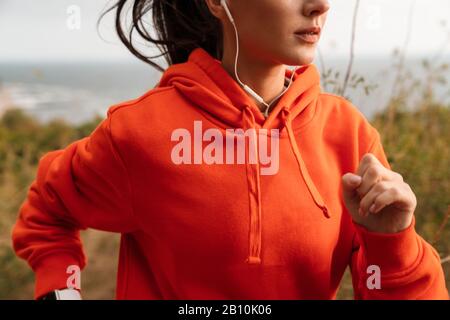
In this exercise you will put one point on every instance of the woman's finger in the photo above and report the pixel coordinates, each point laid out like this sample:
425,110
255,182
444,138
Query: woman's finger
392,195
374,173
369,198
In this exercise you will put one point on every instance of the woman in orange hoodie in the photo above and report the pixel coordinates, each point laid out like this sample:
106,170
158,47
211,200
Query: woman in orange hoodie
179,172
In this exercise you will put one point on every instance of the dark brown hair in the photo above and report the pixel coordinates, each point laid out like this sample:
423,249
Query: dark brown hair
180,26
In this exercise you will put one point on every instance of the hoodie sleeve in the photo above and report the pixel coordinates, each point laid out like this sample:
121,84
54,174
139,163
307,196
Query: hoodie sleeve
84,185
408,266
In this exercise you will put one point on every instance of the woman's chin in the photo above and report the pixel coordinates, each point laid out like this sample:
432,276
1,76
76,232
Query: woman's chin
298,54
300,59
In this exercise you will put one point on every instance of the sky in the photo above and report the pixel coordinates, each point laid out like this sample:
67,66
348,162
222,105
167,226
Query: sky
49,30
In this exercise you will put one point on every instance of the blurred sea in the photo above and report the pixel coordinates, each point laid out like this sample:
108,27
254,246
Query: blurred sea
72,91
78,91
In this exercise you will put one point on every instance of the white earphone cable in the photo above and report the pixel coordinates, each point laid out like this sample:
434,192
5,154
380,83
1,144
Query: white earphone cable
247,88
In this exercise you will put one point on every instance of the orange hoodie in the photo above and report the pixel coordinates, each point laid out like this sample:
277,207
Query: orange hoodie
220,231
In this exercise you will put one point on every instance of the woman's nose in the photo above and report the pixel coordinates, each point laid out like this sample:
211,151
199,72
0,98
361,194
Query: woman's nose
316,7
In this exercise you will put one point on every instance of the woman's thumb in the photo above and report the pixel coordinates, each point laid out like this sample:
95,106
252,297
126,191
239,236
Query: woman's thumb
350,182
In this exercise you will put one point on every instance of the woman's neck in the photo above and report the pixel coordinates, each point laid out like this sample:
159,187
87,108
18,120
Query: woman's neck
267,80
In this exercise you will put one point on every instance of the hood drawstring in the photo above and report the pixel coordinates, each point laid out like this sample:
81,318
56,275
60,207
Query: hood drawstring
254,183
254,191
317,197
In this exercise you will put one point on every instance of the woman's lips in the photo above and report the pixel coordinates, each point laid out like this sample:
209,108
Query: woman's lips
310,35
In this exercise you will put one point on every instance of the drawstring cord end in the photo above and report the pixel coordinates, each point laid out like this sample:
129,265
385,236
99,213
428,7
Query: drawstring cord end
253,260
325,211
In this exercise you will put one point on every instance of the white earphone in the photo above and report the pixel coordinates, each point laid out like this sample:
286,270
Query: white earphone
249,90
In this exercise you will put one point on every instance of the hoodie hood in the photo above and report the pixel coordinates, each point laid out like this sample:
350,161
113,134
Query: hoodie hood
206,84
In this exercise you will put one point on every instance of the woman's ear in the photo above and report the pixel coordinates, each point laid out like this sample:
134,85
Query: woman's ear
216,9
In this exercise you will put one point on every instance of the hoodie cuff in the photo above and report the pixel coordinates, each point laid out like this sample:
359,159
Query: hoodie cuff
51,273
391,252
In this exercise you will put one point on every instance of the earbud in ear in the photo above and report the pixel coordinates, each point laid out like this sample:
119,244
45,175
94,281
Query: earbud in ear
223,3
